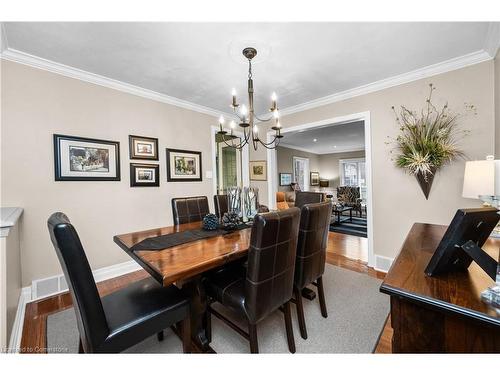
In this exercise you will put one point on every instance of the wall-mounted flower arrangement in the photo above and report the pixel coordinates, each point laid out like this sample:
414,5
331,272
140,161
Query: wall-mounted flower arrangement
428,140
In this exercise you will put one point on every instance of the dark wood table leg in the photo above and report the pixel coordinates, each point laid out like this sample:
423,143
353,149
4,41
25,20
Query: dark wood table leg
194,288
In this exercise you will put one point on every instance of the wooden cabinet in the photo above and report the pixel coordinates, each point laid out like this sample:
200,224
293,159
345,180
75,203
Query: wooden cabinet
442,314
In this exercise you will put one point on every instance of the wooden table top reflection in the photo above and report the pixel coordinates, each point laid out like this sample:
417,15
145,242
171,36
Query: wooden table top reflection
187,260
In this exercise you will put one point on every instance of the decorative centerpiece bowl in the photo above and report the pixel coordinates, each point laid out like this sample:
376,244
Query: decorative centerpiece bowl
210,222
230,220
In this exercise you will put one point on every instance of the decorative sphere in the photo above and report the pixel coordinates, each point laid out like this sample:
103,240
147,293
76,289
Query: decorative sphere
230,220
210,222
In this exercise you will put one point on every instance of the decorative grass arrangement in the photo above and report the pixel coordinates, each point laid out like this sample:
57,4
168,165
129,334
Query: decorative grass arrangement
428,140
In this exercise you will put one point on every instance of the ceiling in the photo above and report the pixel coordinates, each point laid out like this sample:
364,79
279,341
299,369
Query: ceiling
328,139
201,62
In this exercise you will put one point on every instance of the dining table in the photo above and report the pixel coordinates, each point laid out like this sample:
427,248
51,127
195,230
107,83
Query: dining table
185,264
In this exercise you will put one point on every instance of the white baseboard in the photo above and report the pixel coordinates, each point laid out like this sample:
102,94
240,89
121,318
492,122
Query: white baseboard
382,263
17,327
30,294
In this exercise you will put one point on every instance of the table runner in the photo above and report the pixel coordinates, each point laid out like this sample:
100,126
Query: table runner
179,238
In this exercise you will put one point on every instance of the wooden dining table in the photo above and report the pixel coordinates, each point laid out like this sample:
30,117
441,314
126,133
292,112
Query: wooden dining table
185,264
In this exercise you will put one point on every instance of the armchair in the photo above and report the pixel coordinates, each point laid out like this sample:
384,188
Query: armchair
350,196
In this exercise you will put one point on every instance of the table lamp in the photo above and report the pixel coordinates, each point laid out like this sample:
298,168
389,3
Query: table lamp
482,181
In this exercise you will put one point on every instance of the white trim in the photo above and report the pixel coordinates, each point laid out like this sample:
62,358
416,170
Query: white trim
245,157
382,263
17,328
272,182
68,71
428,71
298,148
492,43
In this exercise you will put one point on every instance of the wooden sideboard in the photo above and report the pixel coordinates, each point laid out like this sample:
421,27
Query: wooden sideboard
441,314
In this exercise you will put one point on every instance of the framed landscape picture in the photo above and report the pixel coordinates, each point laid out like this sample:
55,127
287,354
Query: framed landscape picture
183,165
285,179
86,159
258,170
143,147
314,179
144,175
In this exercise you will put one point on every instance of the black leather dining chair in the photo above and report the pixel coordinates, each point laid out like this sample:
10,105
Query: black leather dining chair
311,256
121,319
221,204
266,284
189,209
306,197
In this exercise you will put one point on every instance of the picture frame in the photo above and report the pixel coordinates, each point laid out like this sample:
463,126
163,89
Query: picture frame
85,159
285,179
145,148
258,170
142,175
183,165
314,179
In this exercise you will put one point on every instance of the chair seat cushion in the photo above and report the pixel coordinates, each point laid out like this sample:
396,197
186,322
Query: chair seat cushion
143,309
227,286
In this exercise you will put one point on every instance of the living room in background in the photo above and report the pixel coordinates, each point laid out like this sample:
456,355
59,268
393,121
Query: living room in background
301,172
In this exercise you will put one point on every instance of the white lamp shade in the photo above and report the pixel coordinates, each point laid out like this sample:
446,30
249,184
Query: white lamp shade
481,177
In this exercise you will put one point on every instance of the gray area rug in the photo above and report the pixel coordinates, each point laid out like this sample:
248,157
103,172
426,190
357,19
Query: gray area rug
356,316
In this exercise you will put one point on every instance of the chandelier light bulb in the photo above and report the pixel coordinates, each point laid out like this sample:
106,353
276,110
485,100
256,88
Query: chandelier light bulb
232,124
278,124
276,114
244,110
221,120
255,129
233,92
274,97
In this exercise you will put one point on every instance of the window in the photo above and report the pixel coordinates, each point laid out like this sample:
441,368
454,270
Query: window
353,173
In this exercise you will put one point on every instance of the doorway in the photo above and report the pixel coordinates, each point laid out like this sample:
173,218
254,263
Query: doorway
363,117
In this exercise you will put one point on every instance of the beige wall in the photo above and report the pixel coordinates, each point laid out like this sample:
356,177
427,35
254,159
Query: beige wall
329,166
284,160
37,104
497,106
398,201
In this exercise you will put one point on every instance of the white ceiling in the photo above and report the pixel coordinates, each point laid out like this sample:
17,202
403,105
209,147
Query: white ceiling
329,138
202,62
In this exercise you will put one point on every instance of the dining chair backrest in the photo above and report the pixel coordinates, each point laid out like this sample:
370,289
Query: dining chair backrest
90,316
271,262
221,204
306,197
312,243
189,209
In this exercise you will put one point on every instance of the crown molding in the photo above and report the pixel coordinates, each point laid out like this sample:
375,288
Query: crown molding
305,149
428,71
40,63
492,43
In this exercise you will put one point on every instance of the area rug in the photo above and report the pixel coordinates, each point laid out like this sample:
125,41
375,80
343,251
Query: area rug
357,312
358,226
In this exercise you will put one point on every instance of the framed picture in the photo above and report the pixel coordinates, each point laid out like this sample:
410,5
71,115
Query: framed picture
258,170
183,165
285,179
314,180
144,175
143,147
86,159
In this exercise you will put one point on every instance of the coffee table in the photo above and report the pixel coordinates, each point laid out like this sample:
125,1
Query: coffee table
338,211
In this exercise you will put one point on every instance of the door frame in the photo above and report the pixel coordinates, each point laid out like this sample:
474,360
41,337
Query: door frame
307,169
272,179
245,158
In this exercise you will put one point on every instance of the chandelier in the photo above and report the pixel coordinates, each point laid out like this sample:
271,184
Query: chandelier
246,116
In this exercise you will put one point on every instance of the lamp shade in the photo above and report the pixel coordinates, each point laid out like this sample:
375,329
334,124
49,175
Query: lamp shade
481,177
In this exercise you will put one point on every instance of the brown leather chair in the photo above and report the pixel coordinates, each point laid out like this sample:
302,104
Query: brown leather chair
311,256
221,204
266,284
123,318
189,209
306,197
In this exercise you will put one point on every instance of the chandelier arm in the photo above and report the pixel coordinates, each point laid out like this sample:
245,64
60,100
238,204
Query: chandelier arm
241,144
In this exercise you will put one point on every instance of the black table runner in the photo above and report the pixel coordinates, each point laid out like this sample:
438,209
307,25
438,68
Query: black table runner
179,238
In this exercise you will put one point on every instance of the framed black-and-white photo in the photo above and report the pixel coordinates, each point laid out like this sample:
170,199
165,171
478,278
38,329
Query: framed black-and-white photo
314,179
258,170
86,159
143,147
183,165
144,175
285,179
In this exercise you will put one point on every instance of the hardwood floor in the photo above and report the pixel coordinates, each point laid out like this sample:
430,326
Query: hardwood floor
343,250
